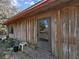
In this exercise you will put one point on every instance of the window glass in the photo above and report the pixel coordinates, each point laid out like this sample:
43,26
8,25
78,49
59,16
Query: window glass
10,29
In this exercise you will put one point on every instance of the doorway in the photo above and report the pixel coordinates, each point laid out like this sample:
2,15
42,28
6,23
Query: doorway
43,34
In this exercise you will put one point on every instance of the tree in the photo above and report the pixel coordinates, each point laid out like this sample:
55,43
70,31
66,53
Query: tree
42,26
6,11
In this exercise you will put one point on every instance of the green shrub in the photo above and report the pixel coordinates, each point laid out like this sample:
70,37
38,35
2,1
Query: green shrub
9,42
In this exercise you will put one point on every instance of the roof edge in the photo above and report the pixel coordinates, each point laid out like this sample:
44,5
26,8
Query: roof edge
27,11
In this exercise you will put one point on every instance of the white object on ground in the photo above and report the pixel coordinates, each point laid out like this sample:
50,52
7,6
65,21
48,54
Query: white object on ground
23,44
3,38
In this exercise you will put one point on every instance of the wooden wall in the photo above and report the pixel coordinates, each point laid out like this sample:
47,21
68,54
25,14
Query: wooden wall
67,33
64,31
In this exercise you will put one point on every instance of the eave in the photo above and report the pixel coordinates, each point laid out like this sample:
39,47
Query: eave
55,4
28,11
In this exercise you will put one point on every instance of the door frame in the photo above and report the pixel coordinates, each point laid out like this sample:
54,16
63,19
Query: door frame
49,32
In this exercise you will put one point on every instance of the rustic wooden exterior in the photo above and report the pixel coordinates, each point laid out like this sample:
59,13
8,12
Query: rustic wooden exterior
64,28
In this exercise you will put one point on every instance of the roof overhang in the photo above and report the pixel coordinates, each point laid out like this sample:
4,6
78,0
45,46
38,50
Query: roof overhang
28,11
45,4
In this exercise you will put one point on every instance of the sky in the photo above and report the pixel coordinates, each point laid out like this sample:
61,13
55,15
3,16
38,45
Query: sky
23,4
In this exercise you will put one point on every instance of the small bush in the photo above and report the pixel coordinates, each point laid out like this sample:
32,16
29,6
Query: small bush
9,42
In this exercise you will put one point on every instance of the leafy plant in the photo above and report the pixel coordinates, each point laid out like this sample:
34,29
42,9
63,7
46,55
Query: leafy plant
9,42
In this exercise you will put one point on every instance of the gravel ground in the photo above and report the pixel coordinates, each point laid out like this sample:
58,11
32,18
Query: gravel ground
28,53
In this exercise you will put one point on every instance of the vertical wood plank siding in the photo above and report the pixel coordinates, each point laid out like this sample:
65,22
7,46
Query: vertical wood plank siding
27,31
58,35
69,32
64,31
35,30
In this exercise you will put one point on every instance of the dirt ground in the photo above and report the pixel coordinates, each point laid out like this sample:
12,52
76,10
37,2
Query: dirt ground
28,53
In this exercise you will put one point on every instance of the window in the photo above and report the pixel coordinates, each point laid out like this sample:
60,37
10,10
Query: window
10,29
